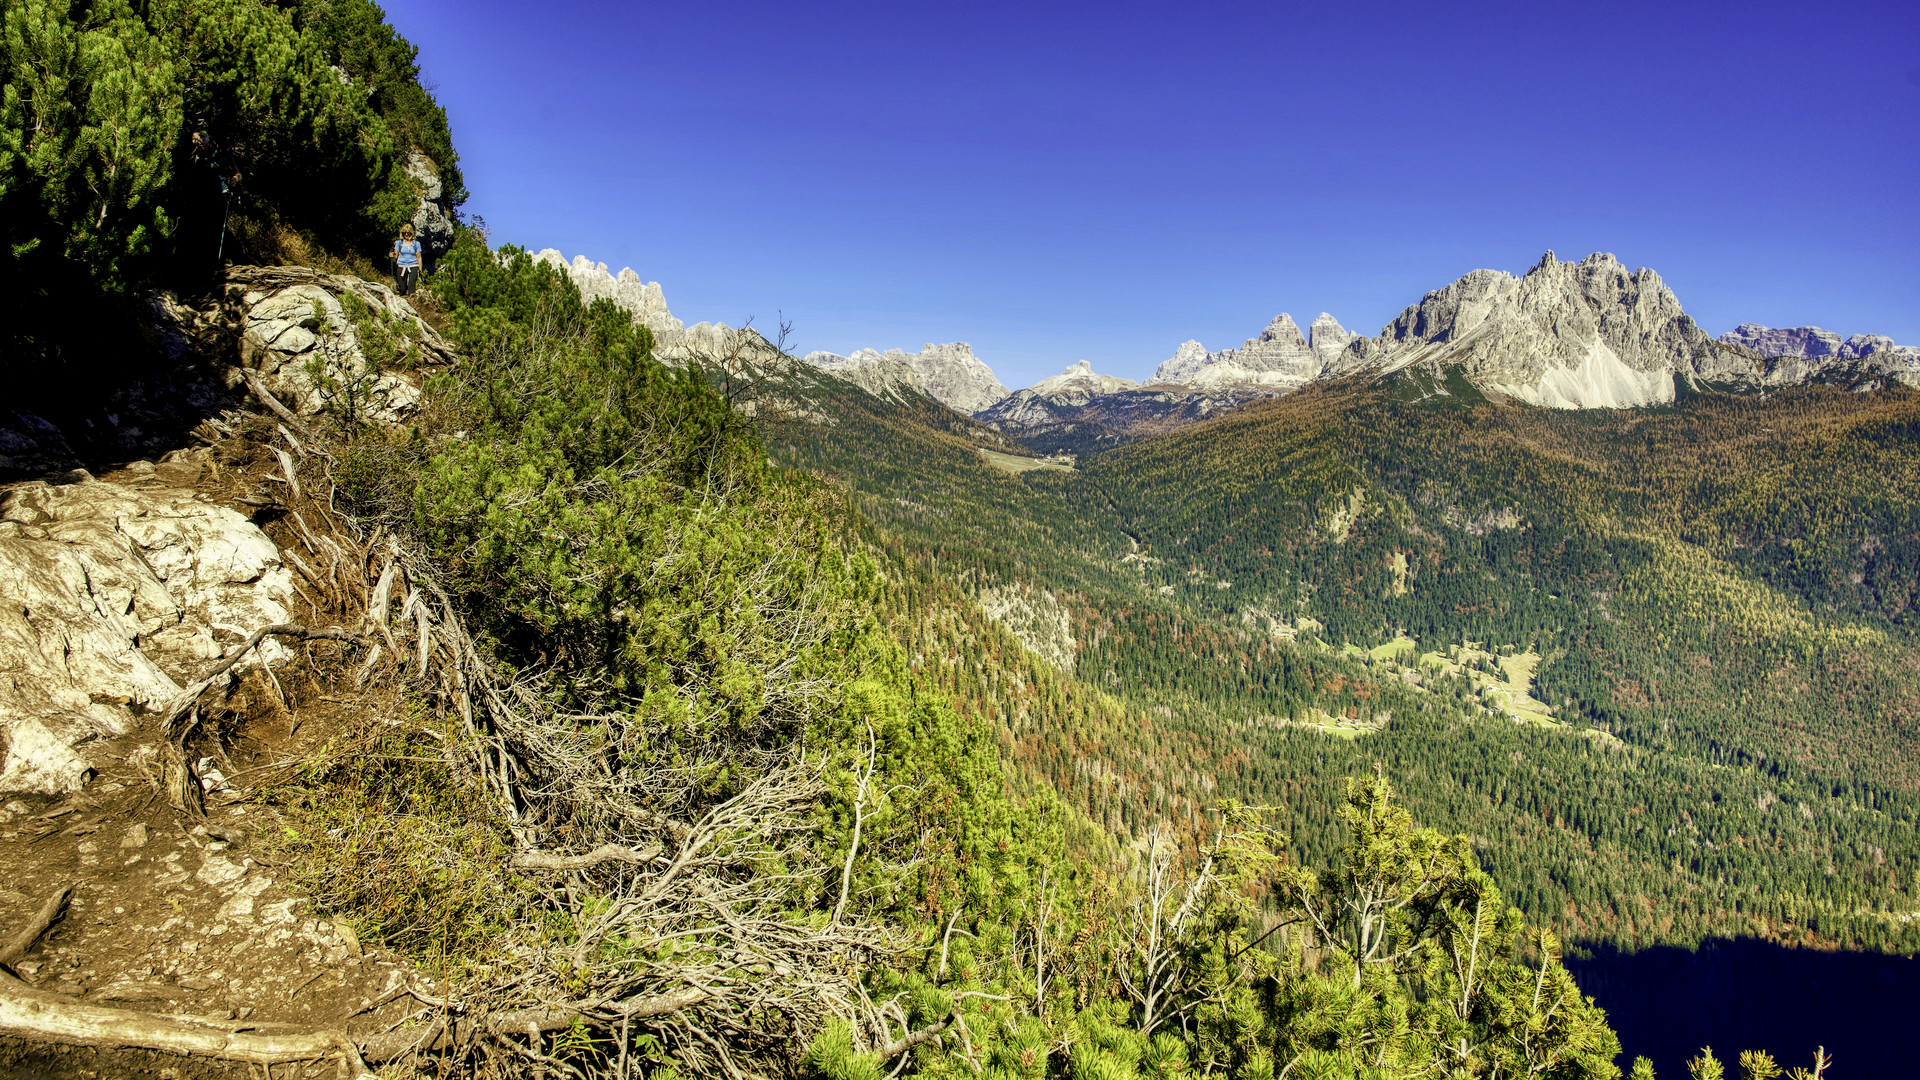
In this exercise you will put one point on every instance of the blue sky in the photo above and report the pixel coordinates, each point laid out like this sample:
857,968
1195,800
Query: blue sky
1057,182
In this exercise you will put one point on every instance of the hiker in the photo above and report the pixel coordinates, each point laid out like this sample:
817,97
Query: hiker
406,260
207,152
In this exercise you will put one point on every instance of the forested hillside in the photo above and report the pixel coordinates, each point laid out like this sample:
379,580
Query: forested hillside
1658,663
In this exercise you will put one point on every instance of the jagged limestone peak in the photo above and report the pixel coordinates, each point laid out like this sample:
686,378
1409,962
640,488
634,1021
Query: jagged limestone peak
949,374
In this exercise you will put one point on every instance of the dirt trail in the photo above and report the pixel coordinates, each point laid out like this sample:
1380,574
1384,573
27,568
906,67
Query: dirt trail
173,914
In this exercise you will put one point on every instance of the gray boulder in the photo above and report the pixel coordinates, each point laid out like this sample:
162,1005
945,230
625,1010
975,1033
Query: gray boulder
116,597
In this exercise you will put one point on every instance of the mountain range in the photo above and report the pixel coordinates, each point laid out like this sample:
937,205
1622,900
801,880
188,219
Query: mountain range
1568,335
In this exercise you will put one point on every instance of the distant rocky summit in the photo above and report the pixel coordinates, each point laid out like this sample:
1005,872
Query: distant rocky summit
1585,335
1053,399
644,299
949,374
1278,360
1813,343
1568,335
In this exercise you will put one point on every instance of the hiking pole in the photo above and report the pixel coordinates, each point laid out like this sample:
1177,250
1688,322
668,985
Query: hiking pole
220,254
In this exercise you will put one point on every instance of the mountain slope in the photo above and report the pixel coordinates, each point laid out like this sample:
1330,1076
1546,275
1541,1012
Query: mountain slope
1636,644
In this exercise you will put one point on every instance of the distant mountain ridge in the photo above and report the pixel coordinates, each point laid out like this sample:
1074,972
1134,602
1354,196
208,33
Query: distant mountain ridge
1568,335
1280,358
949,374
1812,343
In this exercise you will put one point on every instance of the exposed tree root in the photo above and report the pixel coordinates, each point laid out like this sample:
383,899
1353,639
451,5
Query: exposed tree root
30,1014
40,1016
50,912
549,860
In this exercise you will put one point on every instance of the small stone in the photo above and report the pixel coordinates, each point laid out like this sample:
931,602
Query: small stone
216,870
136,837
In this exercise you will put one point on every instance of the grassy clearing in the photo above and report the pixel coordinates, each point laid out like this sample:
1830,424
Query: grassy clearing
1400,646
1338,726
1013,464
1508,688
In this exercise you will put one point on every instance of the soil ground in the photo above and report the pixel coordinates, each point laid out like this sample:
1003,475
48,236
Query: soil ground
177,914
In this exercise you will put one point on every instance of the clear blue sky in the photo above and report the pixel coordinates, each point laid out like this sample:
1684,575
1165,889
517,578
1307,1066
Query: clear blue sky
1057,182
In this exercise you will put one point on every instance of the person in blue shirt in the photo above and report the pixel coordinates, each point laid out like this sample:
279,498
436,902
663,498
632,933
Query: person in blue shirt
406,260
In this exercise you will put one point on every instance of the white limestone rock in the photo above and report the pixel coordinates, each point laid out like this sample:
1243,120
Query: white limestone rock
883,376
1080,384
949,374
644,300
1326,337
1278,361
1813,343
115,597
1582,335
1036,617
1803,341
433,217
1187,360
1861,346
1800,355
298,338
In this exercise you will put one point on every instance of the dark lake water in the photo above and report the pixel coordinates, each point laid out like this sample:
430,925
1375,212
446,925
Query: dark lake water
1746,994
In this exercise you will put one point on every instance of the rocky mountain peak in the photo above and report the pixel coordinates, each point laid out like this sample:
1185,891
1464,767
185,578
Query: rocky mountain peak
1080,381
949,374
1282,331
1587,334
643,299
1327,337
1278,360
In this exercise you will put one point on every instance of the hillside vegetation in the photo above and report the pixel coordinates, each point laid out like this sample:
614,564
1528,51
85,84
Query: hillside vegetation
1719,595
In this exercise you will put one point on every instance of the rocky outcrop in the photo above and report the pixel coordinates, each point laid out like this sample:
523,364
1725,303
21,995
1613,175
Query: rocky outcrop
883,376
1579,335
1592,334
1804,341
327,341
949,374
1036,617
1078,385
707,343
117,595
433,217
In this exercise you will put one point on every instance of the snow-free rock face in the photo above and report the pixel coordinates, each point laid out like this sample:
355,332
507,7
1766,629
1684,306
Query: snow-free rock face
710,343
1585,335
433,218
308,335
949,374
1806,341
1053,399
1813,343
1079,384
882,375
116,596
644,299
1279,360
